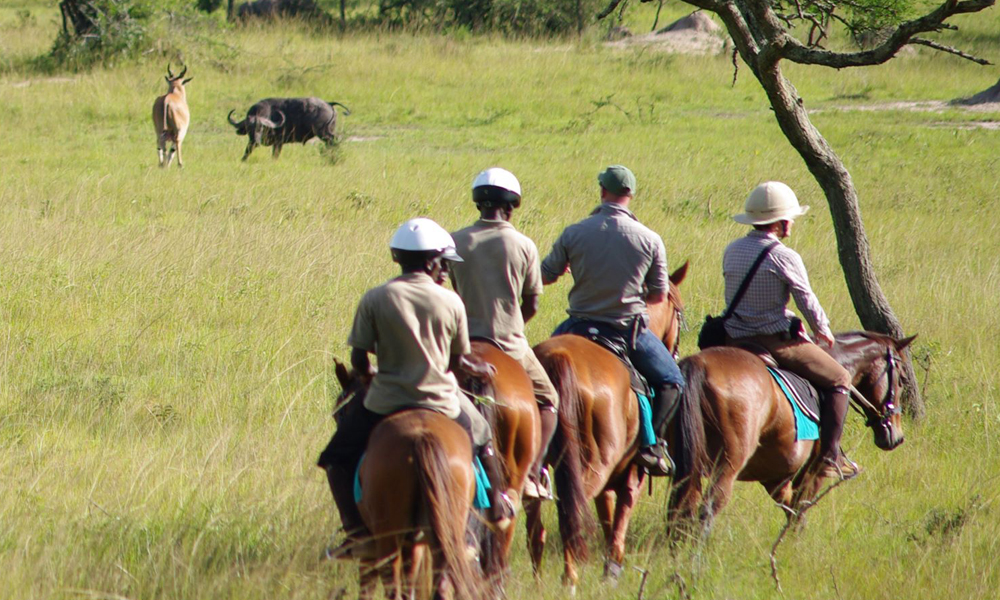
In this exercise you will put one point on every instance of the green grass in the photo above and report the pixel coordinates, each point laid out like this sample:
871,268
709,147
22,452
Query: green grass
167,336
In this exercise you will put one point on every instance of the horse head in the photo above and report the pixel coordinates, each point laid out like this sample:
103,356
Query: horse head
353,388
878,359
666,319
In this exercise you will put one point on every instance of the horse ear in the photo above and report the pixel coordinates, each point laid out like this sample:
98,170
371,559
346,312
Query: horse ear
343,376
678,276
903,343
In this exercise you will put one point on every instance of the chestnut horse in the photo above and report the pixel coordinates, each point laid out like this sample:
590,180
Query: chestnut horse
596,439
417,487
740,426
517,435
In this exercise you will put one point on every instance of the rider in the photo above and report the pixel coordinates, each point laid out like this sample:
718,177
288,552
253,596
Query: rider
762,318
417,330
619,267
500,283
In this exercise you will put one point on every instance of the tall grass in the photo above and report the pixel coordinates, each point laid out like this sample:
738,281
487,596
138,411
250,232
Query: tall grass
166,336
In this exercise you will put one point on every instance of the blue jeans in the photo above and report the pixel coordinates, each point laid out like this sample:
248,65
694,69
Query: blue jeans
650,357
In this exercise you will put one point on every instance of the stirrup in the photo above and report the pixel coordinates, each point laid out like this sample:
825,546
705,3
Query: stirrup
352,548
540,489
843,469
655,460
506,509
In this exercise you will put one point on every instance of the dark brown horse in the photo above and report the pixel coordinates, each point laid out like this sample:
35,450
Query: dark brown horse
417,487
738,425
596,439
517,434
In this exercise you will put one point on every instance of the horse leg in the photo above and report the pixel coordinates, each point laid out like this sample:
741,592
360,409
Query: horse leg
684,504
536,532
627,493
570,574
719,493
416,586
368,578
605,502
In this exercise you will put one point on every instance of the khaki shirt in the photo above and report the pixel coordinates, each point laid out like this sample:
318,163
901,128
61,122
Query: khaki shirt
414,326
615,261
501,265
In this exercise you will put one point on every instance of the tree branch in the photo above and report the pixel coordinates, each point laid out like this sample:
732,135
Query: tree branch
796,51
609,9
950,50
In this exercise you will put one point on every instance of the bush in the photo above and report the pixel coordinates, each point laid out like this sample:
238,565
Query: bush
530,17
208,6
99,31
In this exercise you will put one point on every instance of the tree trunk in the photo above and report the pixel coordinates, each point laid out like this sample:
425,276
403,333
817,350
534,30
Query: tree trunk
870,303
229,10
343,15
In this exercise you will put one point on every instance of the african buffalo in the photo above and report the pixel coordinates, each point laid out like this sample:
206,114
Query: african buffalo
276,121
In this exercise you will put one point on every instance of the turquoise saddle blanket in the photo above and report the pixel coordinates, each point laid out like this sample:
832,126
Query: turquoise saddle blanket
481,501
806,425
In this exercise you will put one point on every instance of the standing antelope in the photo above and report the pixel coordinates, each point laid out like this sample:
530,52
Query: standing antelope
171,118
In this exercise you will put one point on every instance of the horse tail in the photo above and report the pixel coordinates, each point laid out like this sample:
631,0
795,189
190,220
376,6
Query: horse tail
566,450
446,512
691,451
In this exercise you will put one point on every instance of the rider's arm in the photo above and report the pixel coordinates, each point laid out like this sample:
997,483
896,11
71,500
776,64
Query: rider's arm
360,362
529,306
556,264
793,271
656,281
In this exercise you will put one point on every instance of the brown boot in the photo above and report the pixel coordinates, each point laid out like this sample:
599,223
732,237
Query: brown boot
501,510
832,411
538,484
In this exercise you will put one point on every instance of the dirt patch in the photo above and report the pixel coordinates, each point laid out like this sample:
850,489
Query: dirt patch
696,33
967,125
364,138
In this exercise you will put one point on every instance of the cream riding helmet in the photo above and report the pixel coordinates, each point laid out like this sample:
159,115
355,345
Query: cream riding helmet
770,202
424,235
495,187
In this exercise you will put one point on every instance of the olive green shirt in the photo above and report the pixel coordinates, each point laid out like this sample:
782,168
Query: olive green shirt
500,266
615,260
414,326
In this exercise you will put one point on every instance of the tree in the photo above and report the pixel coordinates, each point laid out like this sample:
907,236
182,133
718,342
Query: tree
761,33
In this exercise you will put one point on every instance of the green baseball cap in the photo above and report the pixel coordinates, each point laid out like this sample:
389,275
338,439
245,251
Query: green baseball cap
617,179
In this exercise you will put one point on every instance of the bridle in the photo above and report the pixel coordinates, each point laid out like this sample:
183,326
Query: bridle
681,325
889,408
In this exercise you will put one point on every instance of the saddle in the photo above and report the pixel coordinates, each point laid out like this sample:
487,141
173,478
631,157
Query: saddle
801,394
613,340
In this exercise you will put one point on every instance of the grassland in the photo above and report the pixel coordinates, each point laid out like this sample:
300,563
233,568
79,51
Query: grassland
167,336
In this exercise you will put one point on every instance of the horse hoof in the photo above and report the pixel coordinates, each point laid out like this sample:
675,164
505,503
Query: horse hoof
612,571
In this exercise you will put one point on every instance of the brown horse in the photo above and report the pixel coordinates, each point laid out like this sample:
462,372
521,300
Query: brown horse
596,439
417,487
738,425
517,434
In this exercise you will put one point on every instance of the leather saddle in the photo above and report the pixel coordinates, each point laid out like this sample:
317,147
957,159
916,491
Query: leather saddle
612,340
797,388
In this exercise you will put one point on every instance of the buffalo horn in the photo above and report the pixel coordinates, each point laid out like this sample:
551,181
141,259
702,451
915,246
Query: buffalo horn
231,121
277,125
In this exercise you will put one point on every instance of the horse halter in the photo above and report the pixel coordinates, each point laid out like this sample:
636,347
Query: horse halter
888,409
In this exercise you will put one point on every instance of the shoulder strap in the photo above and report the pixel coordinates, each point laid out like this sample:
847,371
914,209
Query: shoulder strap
746,280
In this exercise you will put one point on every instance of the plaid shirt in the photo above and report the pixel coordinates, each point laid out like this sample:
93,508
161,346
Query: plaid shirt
782,275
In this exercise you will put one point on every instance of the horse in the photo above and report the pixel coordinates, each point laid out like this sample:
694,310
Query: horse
596,439
417,486
517,436
738,425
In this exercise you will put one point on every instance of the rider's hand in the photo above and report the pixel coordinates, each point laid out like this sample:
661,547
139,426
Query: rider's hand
825,340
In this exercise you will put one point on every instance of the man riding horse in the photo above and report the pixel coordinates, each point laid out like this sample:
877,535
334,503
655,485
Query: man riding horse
500,282
761,317
418,331
619,267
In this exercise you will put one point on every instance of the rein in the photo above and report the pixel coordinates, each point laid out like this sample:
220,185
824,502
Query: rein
889,407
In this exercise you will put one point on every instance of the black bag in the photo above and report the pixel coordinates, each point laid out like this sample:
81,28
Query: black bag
713,330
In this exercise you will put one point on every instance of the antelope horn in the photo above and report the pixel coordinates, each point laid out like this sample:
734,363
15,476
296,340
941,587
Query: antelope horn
169,72
183,71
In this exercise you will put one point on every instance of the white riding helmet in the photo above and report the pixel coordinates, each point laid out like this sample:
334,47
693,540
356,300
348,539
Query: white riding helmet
496,186
770,202
497,177
424,235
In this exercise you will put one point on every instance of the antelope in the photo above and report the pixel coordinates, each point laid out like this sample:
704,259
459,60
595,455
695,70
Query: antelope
171,118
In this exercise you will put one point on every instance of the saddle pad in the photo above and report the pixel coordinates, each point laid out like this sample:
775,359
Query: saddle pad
481,501
804,400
